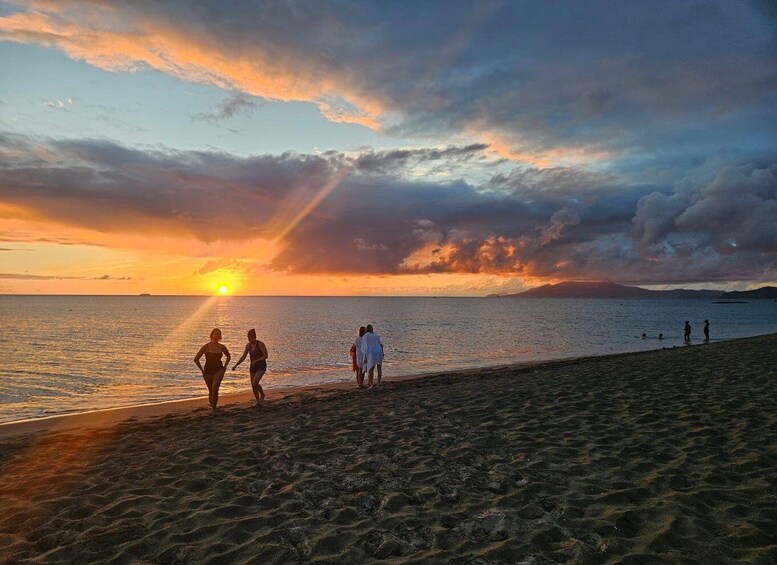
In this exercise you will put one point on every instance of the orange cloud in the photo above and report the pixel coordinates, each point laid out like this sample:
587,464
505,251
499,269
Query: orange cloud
105,37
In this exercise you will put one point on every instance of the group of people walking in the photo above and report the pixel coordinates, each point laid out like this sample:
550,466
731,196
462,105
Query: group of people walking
366,356
214,369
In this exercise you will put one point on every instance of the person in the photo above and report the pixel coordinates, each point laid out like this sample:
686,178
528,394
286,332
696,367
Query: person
687,331
660,336
357,357
372,354
213,371
644,336
258,366
707,330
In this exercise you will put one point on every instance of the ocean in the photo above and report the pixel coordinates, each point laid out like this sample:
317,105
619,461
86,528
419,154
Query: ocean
64,354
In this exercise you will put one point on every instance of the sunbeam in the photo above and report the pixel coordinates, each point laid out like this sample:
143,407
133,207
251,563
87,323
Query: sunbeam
311,205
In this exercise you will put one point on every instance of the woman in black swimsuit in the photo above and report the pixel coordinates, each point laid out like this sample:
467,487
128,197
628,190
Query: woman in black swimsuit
213,372
258,352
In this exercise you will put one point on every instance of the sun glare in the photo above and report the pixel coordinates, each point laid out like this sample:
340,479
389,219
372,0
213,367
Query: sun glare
223,289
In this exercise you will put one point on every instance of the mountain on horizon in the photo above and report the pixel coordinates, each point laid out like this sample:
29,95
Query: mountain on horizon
765,292
606,289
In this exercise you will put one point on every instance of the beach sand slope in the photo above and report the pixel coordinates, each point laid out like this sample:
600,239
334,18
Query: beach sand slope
667,456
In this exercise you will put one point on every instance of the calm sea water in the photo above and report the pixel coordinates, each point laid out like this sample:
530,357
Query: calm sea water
73,353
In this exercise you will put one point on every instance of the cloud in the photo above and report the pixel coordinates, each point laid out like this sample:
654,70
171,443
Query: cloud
371,212
594,82
59,104
27,277
236,104
110,278
216,264
733,212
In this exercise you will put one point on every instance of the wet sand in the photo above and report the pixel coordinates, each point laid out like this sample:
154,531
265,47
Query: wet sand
667,456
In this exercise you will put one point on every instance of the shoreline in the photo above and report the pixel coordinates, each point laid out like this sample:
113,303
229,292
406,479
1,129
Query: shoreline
643,457
108,416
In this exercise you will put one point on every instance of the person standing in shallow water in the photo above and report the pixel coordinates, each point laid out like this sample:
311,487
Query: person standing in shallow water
357,356
213,371
687,331
258,367
372,348
707,330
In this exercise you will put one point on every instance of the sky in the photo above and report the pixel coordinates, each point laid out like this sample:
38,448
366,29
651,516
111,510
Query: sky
374,148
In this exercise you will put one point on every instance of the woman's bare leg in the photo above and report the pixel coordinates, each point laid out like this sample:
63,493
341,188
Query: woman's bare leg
359,378
370,376
209,381
217,378
256,387
380,372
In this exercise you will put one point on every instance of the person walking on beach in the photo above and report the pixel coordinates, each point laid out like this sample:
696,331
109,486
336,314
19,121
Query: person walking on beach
357,357
213,371
706,330
372,348
687,331
258,367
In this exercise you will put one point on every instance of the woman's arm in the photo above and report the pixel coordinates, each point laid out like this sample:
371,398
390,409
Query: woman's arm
242,358
226,352
200,353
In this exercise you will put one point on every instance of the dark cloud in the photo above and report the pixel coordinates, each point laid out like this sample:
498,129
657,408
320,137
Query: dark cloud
596,80
383,218
733,212
236,104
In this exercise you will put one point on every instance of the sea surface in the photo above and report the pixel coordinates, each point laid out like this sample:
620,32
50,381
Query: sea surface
65,354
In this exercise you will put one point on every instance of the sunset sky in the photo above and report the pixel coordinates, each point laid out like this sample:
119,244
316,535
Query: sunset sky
397,148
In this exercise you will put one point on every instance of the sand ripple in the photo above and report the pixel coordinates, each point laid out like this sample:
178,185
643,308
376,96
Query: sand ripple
668,457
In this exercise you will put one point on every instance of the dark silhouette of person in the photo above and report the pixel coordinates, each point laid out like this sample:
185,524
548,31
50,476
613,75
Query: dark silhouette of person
213,371
660,336
687,331
644,336
707,330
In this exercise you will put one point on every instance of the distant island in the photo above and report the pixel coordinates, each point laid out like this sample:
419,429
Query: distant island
765,292
573,289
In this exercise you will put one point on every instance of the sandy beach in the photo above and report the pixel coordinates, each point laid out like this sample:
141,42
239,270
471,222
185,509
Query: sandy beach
666,456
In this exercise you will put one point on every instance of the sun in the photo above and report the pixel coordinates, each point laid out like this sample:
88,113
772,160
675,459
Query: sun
223,289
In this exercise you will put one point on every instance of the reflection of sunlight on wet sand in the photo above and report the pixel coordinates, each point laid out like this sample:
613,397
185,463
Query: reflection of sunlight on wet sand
37,463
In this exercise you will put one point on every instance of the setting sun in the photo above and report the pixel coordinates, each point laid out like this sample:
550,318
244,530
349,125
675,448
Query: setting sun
223,289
